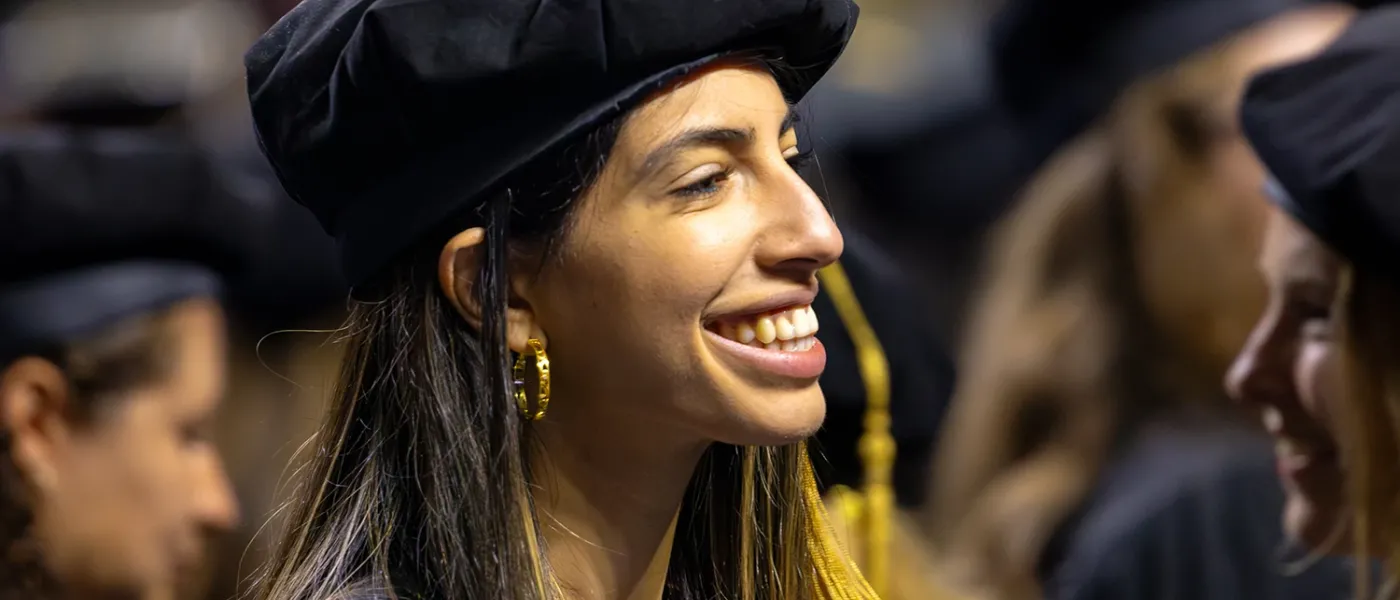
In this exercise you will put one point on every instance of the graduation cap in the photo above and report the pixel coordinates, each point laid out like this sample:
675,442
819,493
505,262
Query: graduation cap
1060,64
387,117
98,226
129,62
1328,129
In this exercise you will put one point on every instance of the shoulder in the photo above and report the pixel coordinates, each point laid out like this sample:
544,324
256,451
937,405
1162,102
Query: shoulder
1187,512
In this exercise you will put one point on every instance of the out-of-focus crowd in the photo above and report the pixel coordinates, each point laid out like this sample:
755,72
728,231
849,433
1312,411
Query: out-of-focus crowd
1111,317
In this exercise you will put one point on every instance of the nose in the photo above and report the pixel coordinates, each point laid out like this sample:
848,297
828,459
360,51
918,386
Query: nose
802,237
215,506
1257,373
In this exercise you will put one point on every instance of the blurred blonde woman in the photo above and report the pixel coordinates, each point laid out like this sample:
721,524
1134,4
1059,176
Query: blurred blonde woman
1089,452
1329,130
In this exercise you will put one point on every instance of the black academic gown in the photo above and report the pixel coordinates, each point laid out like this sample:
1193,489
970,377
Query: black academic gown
1187,512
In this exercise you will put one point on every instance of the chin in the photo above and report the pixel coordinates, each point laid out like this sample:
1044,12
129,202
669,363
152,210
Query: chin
774,418
1317,529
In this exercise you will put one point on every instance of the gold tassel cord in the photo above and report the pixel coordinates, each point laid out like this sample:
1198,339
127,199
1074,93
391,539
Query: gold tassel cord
877,446
837,577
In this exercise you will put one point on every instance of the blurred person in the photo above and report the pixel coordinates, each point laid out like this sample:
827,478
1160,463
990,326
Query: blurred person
648,439
114,246
1090,451
1288,372
133,62
1328,129
157,65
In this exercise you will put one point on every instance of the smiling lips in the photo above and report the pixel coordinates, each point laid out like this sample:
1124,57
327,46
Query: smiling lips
763,344
790,330
1297,453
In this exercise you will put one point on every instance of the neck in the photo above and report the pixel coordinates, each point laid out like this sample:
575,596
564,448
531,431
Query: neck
610,493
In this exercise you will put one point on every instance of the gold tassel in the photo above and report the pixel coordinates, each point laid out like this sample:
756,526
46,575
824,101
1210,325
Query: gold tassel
837,577
877,446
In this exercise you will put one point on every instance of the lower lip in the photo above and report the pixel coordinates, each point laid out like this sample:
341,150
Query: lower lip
807,364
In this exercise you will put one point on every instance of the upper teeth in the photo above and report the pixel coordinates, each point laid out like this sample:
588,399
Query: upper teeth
790,330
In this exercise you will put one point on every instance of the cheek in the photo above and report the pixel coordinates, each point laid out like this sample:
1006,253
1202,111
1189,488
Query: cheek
1196,263
636,296
108,520
136,472
1319,381
1239,169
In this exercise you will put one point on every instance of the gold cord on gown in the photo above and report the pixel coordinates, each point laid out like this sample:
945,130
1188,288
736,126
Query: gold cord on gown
872,509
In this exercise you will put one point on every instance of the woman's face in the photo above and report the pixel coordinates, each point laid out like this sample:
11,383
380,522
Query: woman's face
1198,242
680,306
1288,372
123,501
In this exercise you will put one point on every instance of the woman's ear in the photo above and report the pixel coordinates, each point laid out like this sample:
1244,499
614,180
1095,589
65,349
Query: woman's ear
34,405
458,268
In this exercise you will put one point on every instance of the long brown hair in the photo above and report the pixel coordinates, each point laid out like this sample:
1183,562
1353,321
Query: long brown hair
420,483
1370,419
1068,349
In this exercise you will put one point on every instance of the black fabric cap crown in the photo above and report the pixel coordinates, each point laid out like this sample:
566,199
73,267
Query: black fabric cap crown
387,117
1329,131
1061,64
99,225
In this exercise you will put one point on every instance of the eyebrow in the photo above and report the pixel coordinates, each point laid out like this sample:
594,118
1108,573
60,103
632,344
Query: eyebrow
708,136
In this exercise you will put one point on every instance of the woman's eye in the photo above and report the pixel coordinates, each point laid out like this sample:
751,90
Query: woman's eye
194,434
710,184
800,160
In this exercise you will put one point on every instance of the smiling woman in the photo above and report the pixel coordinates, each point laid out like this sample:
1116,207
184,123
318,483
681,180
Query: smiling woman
1325,128
615,203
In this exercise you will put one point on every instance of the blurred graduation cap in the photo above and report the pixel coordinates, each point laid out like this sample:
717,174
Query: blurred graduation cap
1328,129
120,63
98,226
110,62
927,145
1061,64
295,274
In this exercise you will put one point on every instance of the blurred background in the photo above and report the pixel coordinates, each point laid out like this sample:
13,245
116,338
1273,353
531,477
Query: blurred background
1059,325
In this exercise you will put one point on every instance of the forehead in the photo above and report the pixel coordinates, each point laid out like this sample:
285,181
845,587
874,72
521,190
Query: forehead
197,337
724,95
1293,252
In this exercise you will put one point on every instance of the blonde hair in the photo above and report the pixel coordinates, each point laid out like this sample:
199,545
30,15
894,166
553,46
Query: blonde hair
1370,418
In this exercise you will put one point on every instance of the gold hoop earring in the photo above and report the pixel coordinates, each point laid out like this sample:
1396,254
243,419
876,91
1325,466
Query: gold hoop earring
534,348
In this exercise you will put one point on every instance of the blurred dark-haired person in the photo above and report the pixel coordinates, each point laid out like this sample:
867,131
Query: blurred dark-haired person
1321,367
113,248
1090,451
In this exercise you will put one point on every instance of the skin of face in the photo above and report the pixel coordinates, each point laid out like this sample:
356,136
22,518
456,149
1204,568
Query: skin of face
698,217
697,214
1288,372
123,502
1197,251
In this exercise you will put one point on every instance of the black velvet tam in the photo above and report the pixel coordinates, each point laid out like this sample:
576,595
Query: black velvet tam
1329,131
1061,64
388,117
96,226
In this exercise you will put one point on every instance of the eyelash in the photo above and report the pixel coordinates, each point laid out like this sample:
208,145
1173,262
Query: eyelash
710,185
